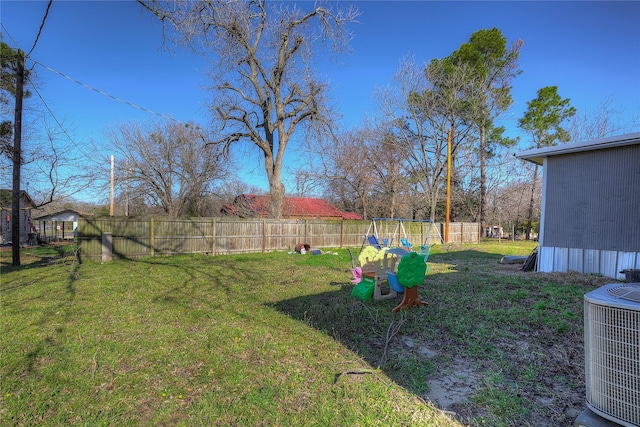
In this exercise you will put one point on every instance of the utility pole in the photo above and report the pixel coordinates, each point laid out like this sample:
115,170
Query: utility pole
17,161
111,198
448,207
126,205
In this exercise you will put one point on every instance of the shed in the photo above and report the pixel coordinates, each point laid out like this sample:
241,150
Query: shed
26,205
590,221
60,225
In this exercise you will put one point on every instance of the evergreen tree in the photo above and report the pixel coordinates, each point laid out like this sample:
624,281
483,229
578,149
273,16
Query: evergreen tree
543,121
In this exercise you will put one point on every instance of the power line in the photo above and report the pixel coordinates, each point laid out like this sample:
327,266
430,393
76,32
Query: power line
60,124
46,13
131,104
9,34
81,84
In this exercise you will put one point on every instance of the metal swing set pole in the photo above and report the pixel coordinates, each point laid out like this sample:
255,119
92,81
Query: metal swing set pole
401,228
375,232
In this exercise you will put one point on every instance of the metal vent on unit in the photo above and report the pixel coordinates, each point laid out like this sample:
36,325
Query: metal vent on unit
631,293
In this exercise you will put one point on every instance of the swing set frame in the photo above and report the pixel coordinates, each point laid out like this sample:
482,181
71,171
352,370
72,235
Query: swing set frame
399,228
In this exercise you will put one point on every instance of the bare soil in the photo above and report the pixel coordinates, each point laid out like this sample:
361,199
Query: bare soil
560,396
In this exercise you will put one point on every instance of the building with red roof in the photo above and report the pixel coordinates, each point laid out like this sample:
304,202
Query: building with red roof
253,206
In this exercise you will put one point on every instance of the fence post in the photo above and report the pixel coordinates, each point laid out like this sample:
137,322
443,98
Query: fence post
213,236
107,247
306,231
273,238
151,242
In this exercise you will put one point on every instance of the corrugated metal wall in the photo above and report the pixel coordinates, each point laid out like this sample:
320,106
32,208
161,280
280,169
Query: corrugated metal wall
592,212
587,261
593,200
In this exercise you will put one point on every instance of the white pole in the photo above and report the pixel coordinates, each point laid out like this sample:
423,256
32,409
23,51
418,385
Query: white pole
126,209
111,199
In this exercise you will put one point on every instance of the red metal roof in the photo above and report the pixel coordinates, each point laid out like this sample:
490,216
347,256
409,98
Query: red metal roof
252,205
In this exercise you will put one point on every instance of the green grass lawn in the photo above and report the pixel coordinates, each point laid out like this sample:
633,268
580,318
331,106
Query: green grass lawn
269,339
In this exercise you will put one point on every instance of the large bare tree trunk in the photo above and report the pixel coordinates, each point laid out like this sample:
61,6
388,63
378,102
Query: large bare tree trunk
483,182
274,175
276,196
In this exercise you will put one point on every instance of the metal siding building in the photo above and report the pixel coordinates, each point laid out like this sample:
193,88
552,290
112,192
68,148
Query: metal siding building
590,206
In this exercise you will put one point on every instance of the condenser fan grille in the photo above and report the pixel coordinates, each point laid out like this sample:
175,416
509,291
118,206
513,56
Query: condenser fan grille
628,292
612,353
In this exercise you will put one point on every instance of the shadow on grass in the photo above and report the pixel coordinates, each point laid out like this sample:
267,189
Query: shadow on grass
401,344
56,317
368,328
482,317
39,256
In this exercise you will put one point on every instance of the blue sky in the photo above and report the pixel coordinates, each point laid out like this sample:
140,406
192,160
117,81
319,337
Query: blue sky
590,50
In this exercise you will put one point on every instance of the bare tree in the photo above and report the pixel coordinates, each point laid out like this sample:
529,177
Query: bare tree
388,168
508,194
49,156
264,86
306,182
345,167
602,122
167,165
50,162
424,105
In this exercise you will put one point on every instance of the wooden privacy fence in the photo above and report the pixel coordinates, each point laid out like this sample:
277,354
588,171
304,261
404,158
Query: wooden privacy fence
137,237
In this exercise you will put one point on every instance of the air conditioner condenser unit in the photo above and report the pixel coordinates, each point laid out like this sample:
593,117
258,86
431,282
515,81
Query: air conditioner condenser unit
612,352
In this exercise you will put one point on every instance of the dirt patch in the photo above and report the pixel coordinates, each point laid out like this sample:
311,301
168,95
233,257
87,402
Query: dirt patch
456,387
571,277
557,362
459,381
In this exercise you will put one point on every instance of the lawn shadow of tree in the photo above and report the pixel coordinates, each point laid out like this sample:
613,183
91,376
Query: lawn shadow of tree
370,329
